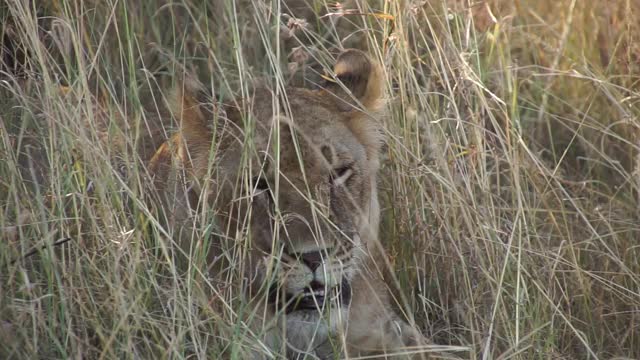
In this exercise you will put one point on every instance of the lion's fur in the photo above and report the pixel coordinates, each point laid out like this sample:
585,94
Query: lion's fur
323,136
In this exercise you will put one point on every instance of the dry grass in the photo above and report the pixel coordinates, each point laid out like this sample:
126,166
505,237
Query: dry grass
509,189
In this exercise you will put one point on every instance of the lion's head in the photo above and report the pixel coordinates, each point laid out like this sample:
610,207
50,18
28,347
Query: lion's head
295,170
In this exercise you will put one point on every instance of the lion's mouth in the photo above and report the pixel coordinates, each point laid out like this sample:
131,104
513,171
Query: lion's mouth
311,300
317,297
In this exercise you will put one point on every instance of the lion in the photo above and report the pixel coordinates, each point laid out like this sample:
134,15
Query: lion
302,166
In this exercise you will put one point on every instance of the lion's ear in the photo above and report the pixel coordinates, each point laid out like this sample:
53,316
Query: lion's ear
190,107
361,76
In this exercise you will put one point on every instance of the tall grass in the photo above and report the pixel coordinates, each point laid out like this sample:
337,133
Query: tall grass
510,197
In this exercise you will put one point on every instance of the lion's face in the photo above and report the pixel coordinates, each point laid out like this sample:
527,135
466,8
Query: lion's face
315,197
297,174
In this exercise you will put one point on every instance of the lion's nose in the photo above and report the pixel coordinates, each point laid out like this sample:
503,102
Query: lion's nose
313,259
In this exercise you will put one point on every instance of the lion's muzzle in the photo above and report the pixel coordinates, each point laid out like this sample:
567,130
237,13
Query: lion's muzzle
310,284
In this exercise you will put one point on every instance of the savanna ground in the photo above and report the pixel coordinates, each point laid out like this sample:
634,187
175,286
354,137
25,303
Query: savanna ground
509,188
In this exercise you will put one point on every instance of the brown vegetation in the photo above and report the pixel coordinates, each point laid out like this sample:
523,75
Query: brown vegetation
509,186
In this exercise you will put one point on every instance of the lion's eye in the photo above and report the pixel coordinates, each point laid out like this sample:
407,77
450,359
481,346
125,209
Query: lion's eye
340,175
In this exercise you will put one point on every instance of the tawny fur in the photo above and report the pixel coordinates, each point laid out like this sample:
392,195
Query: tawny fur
332,129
